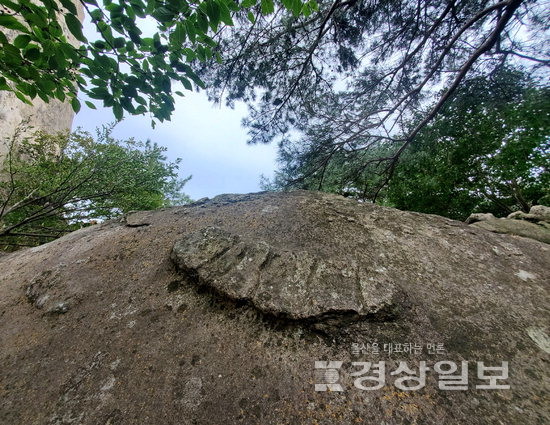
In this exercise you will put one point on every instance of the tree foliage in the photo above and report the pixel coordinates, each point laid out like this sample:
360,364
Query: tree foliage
347,81
53,184
487,151
128,70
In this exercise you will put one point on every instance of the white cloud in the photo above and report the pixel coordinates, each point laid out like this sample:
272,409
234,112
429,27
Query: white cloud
208,138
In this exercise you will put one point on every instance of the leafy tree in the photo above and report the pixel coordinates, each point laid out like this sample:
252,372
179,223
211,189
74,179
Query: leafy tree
53,184
124,68
488,151
349,79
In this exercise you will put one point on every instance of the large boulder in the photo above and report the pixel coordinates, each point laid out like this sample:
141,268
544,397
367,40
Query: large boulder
537,214
534,225
516,227
252,309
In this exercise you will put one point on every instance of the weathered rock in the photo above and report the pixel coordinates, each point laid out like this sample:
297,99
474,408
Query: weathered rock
516,227
298,285
42,293
517,215
541,212
137,218
477,217
537,213
232,334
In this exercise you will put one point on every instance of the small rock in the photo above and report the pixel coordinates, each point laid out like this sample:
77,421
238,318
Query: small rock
516,215
138,218
539,337
540,212
270,209
520,215
200,201
476,217
524,275
59,308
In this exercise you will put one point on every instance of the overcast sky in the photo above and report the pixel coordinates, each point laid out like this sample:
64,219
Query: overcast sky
209,139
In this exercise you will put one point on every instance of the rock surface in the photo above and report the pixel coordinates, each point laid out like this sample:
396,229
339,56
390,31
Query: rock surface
477,217
540,212
217,312
516,227
297,285
534,225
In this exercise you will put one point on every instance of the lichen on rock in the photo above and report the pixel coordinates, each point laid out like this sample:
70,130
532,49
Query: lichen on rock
298,285
311,274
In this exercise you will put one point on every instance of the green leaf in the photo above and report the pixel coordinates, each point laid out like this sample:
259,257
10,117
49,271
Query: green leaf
90,104
60,94
314,6
96,15
100,45
46,84
22,97
31,91
213,12
70,6
139,8
118,111
21,41
60,59
225,14
51,6
251,17
100,93
43,96
32,53
129,91
12,23
119,42
9,4
12,55
178,34
164,14
134,35
296,7
191,31
127,104
187,84
267,7
202,21
75,27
